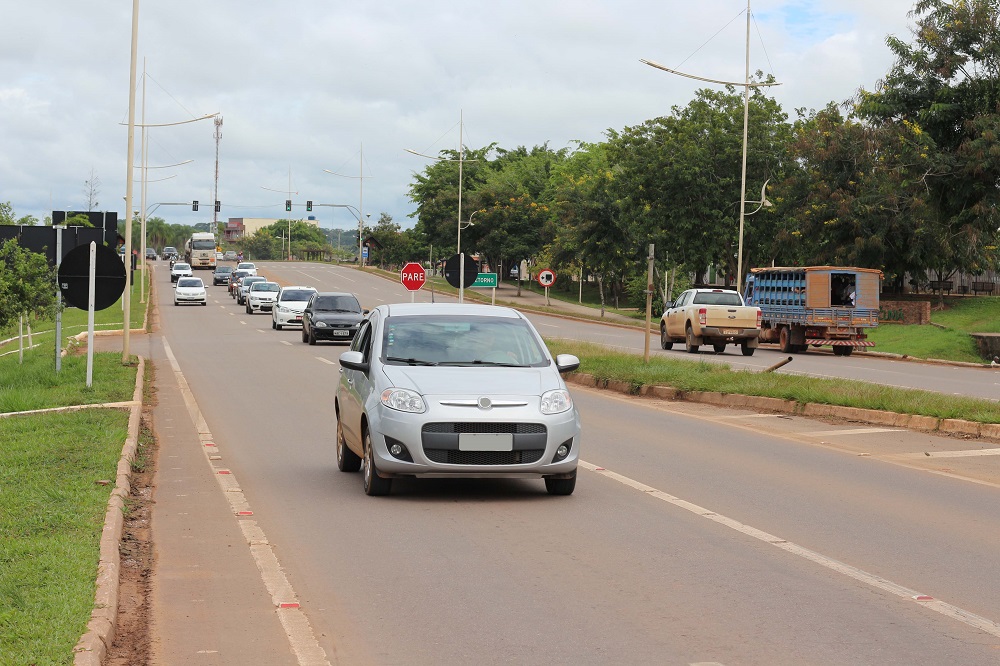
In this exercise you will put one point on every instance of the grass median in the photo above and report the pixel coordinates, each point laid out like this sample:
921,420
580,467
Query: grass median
718,377
52,506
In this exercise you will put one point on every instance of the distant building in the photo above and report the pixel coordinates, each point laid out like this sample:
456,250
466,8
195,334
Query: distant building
240,227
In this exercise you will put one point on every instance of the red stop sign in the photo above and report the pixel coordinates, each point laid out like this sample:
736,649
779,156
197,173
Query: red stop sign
413,276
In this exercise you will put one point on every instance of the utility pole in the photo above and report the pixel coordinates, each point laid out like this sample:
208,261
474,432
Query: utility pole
215,197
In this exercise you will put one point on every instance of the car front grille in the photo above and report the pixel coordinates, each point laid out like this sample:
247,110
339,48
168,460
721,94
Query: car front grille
454,457
440,443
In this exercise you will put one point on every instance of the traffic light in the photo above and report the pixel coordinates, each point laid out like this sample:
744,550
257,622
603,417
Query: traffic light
288,205
218,206
194,205
309,206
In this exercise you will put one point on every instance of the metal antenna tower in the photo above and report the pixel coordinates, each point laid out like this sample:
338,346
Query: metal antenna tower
215,197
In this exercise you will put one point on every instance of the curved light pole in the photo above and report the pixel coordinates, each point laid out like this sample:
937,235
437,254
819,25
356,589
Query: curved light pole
357,215
461,159
746,117
288,193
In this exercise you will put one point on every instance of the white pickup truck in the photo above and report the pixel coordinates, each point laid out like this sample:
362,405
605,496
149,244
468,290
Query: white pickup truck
716,317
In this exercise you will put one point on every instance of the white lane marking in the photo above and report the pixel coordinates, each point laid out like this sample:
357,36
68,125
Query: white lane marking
976,621
958,454
243,322
850,431
343,277
301,638
548,325
325,360
286,342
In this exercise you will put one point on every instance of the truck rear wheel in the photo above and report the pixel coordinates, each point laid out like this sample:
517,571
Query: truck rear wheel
841,350
746,348
689,344
785,340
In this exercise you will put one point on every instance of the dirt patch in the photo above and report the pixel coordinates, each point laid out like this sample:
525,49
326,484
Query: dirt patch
131,646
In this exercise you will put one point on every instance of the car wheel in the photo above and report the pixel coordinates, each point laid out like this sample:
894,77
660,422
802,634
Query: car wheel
305,338
374,484
665,340
720,348
176,303
249,311
204,302
347,460
561,486
747,349
312,337
689,344
274,324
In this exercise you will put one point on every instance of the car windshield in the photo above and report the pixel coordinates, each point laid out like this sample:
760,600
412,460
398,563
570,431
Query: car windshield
345,303
296,295
190,282
224,269
265,286
717,298
460,340
246,265
203,245
181,267
170,249
250,279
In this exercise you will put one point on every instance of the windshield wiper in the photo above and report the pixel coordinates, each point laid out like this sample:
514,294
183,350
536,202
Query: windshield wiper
409,361
340,310
499,364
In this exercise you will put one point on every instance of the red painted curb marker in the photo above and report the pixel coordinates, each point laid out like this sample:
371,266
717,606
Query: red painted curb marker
923,597
599,469
288,604
209,443
244,513
224,471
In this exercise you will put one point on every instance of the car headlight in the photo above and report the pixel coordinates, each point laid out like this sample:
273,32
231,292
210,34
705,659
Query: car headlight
282,309
556,402
320,324
403,400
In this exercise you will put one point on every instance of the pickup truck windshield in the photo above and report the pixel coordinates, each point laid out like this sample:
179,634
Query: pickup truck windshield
717,298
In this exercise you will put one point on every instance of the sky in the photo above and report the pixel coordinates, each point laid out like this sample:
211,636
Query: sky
309,86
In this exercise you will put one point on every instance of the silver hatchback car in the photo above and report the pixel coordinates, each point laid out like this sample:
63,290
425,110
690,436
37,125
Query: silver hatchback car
453,390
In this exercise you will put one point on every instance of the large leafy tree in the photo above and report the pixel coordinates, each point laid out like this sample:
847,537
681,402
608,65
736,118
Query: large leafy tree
945,85
27,284
680,176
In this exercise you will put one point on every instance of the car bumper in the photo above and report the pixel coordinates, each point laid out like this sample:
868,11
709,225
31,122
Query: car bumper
334,334
264,306
189,299
438,451
287,318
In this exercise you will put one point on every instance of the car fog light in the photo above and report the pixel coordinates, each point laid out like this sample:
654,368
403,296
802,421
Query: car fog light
395,450
562,451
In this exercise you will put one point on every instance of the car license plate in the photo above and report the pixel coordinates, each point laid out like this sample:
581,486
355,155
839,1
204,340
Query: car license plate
493,441
342,333
730,331
296,318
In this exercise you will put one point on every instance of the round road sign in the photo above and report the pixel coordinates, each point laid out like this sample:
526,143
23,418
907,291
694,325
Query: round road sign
451,270
413,276
109,277
546,277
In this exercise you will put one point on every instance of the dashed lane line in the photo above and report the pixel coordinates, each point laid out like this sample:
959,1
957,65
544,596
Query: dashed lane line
976,621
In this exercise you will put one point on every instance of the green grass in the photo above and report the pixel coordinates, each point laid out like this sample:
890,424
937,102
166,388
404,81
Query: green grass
717,377
51,518
51,510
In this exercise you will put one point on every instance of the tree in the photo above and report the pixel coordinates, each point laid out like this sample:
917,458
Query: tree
91,188
261,245
945,86
27,284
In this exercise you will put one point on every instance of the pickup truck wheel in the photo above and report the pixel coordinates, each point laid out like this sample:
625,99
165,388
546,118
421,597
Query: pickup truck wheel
785,340
665,340
719,347
746,348
689,344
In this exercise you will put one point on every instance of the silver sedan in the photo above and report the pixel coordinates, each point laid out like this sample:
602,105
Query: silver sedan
452,390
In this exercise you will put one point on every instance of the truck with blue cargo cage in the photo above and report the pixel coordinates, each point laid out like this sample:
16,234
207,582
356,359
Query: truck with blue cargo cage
815,306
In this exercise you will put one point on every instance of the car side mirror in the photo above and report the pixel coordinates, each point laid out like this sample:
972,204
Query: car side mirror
567,363
667,305
354,360
365,311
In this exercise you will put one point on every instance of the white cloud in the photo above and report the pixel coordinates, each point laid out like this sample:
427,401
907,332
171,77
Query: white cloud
303,84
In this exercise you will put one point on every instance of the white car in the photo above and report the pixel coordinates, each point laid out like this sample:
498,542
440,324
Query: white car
287,310
179,270
247,266
190,290
261,296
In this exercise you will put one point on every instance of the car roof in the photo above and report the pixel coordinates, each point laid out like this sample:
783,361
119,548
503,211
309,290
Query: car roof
472,309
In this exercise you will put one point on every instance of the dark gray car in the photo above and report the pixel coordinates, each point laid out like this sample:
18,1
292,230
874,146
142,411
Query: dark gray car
331,315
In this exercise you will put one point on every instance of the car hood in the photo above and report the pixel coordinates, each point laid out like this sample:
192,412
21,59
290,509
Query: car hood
264,296
337,317
472,382
297,306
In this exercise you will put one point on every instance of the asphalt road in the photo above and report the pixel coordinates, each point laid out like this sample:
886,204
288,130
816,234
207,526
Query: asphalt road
696,535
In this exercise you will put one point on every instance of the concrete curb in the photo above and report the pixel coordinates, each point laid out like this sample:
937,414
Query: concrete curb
92,647
737,401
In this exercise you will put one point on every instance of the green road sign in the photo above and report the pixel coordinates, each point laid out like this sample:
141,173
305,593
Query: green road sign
485,280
